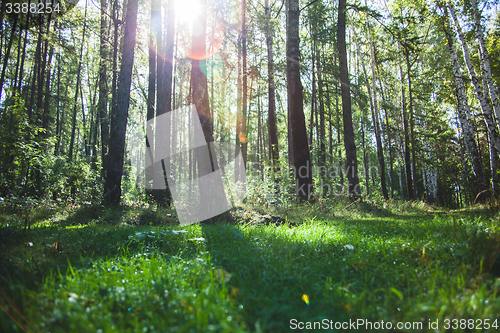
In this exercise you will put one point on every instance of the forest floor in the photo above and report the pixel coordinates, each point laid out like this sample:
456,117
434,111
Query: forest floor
258,269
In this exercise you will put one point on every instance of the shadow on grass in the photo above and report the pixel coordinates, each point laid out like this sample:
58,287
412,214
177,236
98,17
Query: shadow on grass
271,267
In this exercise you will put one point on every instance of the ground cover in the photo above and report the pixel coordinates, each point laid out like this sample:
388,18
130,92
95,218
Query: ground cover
82,269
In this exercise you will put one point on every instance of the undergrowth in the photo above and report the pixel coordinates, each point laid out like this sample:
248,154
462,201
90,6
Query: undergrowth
134,269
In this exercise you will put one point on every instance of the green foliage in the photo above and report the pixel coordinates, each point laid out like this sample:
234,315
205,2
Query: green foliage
373,265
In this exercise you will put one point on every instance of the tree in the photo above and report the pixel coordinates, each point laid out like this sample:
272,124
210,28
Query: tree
119,113
272,127
301,157
103,84
349,141
485,62
464,113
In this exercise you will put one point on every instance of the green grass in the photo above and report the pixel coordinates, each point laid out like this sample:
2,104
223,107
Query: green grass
127,271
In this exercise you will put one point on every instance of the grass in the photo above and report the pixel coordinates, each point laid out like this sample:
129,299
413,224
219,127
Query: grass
131,270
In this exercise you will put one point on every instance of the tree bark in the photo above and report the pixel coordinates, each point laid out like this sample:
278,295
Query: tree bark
77,88
409,182
485,63
301,157
103,84
464,113
349,141
272,124
322,146
244,143
375,118
119,113
7,52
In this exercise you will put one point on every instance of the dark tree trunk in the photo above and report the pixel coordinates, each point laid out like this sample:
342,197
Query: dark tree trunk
365,158
409,181
46,106
388,133
119,114
301,157
272,125
375,119
349,142
152,80
58,106
7,52
322,146
103,85
78,79
313,95
416,180
23,57
41,79
244,144
116,25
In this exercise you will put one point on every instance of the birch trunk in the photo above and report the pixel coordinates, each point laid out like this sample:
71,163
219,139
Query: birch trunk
485,106
464,114
485,63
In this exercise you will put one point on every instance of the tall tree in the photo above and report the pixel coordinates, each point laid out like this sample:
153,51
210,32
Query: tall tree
244,143
494,140
103,83
77,89
409,179
464,112
7,52
119,113
301,157
150,113
485,62
375,118
345,86
272,125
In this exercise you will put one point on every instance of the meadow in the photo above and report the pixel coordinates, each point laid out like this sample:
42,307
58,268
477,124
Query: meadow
382,266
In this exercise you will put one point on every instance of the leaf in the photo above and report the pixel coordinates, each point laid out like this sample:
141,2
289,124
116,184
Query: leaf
397,292
176,232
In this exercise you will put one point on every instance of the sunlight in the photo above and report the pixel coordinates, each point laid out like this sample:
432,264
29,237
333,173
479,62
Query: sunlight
187,10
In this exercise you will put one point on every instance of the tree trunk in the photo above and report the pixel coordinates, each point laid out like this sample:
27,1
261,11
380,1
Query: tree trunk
272,124
365,158
301,158
485,106
464,113
238,109
349,141
388,133
77,88
339,150
322,146
485,63
313,94
23,57
244,144
375,119
119,114
7,52
116,25
409,182
415,178
103,84
46,106
201,101
151,82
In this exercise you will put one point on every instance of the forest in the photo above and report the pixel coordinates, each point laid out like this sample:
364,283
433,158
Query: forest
249,165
